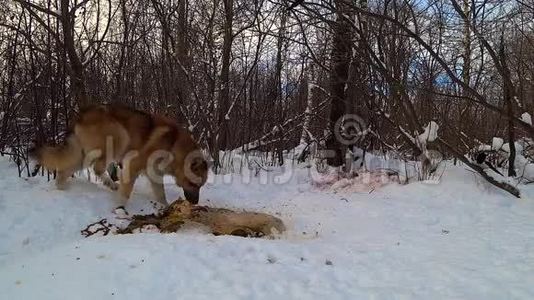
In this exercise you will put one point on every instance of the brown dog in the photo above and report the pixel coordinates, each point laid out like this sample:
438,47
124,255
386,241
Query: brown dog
143,143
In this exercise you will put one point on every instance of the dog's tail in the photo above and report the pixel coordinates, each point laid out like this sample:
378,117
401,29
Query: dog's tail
62,157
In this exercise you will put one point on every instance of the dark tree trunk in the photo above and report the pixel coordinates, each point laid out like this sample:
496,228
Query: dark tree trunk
221,138
78,89
183,54
509,102
341,53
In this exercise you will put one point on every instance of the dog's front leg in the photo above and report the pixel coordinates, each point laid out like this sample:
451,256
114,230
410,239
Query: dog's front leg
158,189
132,167
125,190
100,171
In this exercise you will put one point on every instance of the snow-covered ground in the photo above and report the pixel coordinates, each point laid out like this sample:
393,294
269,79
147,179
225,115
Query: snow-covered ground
459,239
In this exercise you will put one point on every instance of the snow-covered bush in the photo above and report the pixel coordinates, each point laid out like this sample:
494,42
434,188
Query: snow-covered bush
496,156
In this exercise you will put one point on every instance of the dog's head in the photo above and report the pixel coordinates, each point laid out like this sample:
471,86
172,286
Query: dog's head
190,167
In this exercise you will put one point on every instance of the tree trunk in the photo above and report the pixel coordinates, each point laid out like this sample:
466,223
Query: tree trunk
221,138
309,103
508,101
183,53
119,94
78,89
341,53
278,78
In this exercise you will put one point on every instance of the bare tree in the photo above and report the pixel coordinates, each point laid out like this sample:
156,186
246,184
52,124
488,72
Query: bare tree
269,76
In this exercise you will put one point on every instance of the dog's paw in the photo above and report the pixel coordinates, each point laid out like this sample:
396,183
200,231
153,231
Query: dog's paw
113,186
119,198
121,213
61,185
162,201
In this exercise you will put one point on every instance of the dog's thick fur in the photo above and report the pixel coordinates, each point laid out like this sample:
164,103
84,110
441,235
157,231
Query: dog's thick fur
140,141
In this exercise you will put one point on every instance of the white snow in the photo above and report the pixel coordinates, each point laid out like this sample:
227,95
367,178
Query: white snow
459,239
430,134
527,172
525,117
485,147
518,147
497,143
524,167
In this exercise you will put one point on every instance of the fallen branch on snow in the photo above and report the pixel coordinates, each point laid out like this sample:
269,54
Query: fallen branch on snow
502,185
